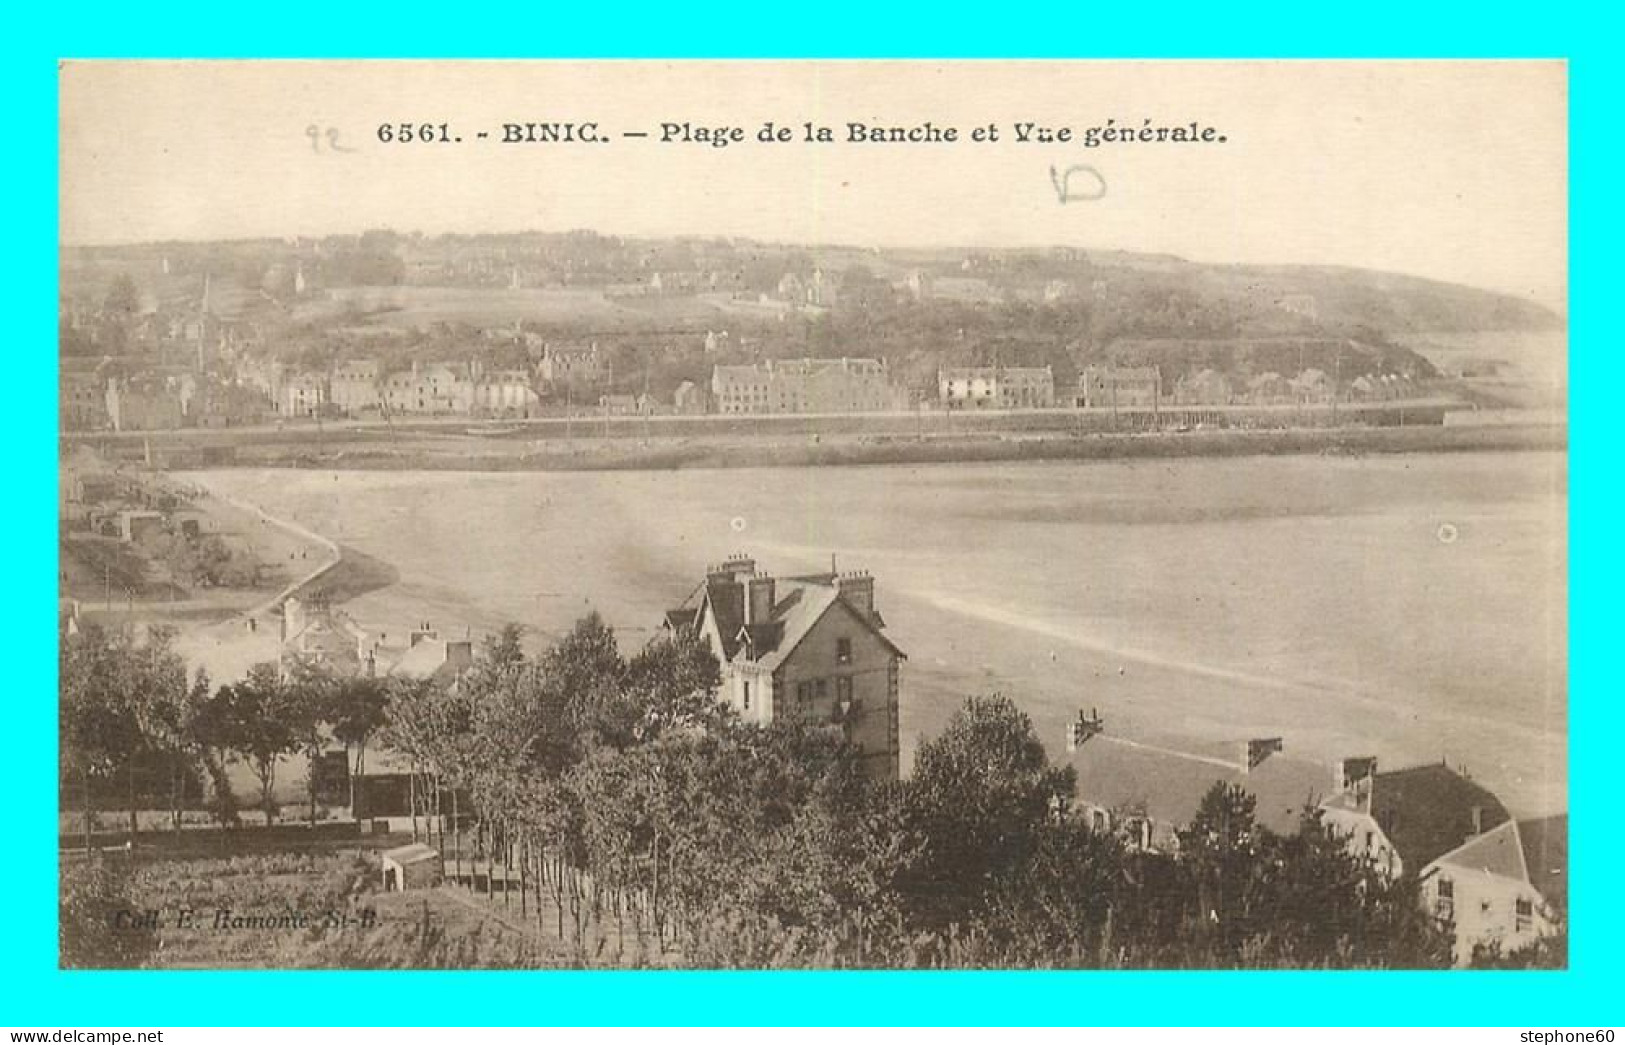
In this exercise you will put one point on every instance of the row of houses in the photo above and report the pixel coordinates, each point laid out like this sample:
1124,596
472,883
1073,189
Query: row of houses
803,386
363,387
1310,386
155,399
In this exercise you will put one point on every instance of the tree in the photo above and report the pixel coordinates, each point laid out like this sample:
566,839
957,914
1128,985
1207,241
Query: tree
97,726
210,735
256,720
118,701
670,684
585,670
1221,848
312,691
165,707
980,795
359,711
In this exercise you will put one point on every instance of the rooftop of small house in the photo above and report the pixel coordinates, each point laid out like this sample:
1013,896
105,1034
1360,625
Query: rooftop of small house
1133,779
1428,810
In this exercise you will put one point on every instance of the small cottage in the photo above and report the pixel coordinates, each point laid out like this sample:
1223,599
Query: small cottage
415,866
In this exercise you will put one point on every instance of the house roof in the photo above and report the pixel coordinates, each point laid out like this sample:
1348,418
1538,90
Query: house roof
415,853
1546,855
1427,811
1168,786
1497,851
799,604
726,600
428,658
679,619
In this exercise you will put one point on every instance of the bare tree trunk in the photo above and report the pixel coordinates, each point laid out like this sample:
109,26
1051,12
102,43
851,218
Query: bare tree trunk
130,780
490,858
267,785
541,880
175,792
412,798
456,838
434,809
524,909
90,812
558,888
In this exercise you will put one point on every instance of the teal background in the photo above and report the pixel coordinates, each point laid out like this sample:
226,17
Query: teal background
32,992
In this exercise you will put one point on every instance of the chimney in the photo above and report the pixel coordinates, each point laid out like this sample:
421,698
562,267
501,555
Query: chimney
738,567
1478,821
858,589
293,618
759,592
460,655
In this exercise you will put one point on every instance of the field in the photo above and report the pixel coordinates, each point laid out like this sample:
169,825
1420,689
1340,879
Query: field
384,309
1407,606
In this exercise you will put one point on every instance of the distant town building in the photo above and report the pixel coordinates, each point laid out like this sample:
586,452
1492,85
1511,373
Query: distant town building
146,403
1269,389
1313,386
1205,387
1058,290
809,649
689,398
570,365
1119,386
220,404
819,290
318,635
996,388
82,400
303,395
802,386
354,386
433,388
504,393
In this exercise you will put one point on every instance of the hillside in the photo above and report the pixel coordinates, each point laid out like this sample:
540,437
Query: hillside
651,303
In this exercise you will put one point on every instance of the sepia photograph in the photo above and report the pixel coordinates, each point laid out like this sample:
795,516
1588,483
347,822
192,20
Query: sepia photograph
949,515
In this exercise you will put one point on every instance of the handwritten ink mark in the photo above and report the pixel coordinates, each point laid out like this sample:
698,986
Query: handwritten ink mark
1063,184
316,134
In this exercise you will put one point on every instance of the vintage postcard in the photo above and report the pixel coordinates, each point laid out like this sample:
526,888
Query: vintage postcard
803,514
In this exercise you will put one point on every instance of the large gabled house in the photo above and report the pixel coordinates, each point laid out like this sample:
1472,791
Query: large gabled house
1460,842
808,648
